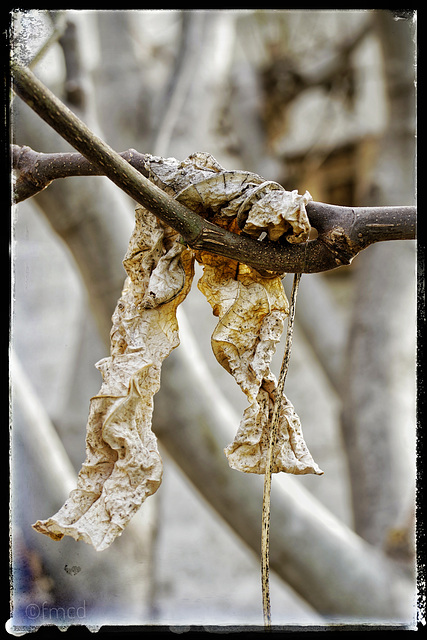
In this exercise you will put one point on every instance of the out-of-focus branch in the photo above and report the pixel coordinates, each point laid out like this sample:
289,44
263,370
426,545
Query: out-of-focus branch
120,82
379,381
40,436
322,320
185,67
322,559
74,82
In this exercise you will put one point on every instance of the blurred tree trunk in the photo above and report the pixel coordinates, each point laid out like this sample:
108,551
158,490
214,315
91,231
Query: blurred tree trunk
379,396
120,76
319,557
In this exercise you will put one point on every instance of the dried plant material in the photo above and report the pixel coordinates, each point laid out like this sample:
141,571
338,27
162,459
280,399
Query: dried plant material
123,466
252,310
272,439
258,205
279,212
248,451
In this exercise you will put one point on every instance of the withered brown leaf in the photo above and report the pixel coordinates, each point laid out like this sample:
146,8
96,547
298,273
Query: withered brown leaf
252,310
258,205
123,466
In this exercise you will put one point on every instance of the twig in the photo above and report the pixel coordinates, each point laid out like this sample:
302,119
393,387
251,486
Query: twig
343,231
265,530
108,162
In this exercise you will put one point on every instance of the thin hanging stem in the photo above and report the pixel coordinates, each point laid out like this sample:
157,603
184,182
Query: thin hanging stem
265,530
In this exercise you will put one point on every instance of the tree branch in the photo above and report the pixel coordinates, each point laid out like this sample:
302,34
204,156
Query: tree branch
342,231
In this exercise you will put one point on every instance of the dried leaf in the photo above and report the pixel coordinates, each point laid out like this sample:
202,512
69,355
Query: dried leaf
280,212
252,310
248,451
123,466
258,205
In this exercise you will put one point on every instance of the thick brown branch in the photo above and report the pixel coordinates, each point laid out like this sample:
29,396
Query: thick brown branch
342,231
37,170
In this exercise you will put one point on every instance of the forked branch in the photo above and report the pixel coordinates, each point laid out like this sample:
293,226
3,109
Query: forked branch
342,231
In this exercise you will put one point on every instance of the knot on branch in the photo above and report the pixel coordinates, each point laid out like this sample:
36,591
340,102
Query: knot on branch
339,244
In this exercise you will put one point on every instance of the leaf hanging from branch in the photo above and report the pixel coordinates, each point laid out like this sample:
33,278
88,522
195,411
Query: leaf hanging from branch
252,310
123,465
342,231
251,307
258,205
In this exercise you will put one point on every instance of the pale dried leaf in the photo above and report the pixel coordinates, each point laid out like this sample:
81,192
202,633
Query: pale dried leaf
252,310
123,466
204,186
279,212
248,451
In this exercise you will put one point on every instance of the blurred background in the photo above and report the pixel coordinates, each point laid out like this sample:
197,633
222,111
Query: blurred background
314,99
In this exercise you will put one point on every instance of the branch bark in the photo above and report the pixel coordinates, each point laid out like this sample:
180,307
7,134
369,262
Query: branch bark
342,231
